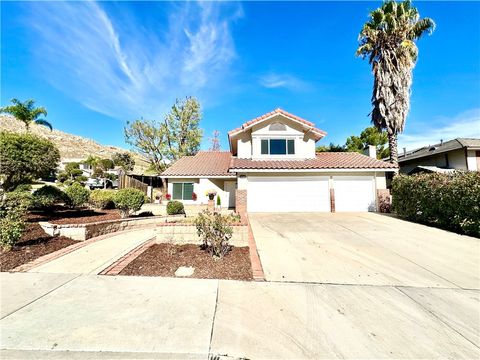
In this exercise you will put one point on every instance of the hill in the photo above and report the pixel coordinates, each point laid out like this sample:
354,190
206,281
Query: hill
71,146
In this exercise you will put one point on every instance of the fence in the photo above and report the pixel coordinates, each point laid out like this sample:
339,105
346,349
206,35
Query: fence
125,181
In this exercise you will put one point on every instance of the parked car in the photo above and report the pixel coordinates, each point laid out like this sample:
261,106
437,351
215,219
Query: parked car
99,183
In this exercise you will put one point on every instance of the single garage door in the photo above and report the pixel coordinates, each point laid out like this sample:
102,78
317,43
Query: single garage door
354,193
288,194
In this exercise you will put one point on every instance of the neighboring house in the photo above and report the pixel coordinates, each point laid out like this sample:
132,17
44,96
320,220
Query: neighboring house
86,168
444,157
272,167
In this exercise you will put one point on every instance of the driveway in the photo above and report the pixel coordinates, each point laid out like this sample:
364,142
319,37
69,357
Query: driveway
364,249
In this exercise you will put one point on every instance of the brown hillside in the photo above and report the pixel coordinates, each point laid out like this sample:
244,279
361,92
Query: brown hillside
71,146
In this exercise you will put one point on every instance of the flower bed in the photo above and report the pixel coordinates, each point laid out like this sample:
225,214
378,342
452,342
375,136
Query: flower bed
165,259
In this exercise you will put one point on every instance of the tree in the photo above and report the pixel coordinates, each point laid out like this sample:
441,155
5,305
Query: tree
388,40
124,160
369,136
163,142
25,157
215,141
330,148
27,113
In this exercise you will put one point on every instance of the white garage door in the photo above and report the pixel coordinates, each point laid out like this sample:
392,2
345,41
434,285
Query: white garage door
354,193
288,194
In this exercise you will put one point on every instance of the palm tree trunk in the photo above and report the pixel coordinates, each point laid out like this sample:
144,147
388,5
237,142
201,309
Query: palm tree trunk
392,144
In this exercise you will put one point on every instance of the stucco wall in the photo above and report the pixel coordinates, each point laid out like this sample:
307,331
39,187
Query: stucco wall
452,159
473,160
201,186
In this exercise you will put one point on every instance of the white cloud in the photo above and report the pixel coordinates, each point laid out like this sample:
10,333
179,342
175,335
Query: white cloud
465,124
287,81
123,67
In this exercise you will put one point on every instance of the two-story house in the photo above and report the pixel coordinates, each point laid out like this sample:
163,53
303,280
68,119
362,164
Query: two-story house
272,166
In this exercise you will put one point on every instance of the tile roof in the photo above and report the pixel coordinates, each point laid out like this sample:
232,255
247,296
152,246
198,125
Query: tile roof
320,133
325,160
450,145
204,163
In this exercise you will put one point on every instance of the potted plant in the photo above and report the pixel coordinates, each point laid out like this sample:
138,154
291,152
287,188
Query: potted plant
194,196
211,194
158,197
168,197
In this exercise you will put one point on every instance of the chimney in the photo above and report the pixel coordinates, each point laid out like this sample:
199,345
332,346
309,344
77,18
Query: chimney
371,151
441,142
404,152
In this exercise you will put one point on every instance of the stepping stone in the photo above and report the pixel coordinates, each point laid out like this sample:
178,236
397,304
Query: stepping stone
184,271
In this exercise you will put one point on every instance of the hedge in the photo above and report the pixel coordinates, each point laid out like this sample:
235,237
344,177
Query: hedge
449,201
129,200
102,199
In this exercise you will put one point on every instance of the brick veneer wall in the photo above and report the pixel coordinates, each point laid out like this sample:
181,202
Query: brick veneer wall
332,200
241,203
383,195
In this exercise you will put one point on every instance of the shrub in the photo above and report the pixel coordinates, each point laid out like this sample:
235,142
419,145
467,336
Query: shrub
175,208
145,214
450,201
128,201
102,199
77,195
219,201
23,187
215,232
25,157
47,196
12,211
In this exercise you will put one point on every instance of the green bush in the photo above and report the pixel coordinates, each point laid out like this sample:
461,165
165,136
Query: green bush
25,157
77,195
449,201
219,201
48,196
23,187
12,212
215,231
102,199
175,208
128,201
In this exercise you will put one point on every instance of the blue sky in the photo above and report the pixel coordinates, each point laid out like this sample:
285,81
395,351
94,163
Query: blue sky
95,66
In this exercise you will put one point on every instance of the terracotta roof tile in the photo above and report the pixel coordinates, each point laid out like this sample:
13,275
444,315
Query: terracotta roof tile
204,163
325,160
279,111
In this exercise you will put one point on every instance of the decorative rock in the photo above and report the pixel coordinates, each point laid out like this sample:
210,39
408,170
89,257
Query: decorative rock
184,271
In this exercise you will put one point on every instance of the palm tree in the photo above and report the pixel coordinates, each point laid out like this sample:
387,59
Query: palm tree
27,112
388,40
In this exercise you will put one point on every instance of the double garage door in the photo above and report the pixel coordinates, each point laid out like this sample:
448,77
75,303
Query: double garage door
310,194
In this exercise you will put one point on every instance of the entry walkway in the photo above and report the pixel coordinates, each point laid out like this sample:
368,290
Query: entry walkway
95,257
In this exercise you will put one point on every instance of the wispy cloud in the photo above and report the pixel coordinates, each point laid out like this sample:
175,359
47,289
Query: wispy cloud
465,124
124,67
287,81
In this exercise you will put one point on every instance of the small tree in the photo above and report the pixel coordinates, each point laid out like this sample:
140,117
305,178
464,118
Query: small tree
25,157
370,136
128,201
13,206
124,160
215,232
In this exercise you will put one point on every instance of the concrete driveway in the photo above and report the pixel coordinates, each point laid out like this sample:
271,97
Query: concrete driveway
364,248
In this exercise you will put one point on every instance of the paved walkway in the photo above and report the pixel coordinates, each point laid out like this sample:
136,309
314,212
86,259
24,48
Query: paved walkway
96,256
53,316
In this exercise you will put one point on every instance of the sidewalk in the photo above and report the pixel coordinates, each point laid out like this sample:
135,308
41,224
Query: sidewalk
96,256
100,317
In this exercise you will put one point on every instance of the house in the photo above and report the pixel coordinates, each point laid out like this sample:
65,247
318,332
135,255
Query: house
272,166
87,169
444,157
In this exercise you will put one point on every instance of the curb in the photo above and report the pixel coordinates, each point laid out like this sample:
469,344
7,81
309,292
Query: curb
117,266
257,269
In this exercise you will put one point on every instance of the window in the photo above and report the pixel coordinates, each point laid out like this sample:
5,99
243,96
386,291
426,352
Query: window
278,147
182,191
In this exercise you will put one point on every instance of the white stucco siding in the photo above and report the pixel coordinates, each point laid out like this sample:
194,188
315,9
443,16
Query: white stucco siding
457,159
200,187
244,146
472,162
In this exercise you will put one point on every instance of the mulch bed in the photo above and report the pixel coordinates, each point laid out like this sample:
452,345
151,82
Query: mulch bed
62,216
165,259
33,244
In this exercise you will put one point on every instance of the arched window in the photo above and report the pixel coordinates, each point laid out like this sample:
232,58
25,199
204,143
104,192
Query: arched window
277,127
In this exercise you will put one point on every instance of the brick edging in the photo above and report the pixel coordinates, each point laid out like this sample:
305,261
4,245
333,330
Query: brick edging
117,266
61,252
257,269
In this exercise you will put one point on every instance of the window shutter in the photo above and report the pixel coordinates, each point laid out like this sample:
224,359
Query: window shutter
177,191
291,146
187,191
264,147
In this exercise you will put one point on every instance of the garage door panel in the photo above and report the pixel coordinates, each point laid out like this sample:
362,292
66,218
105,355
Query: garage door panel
354,193
288,194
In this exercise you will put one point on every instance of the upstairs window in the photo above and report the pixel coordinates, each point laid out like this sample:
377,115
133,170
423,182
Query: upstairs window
278,147
182,191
